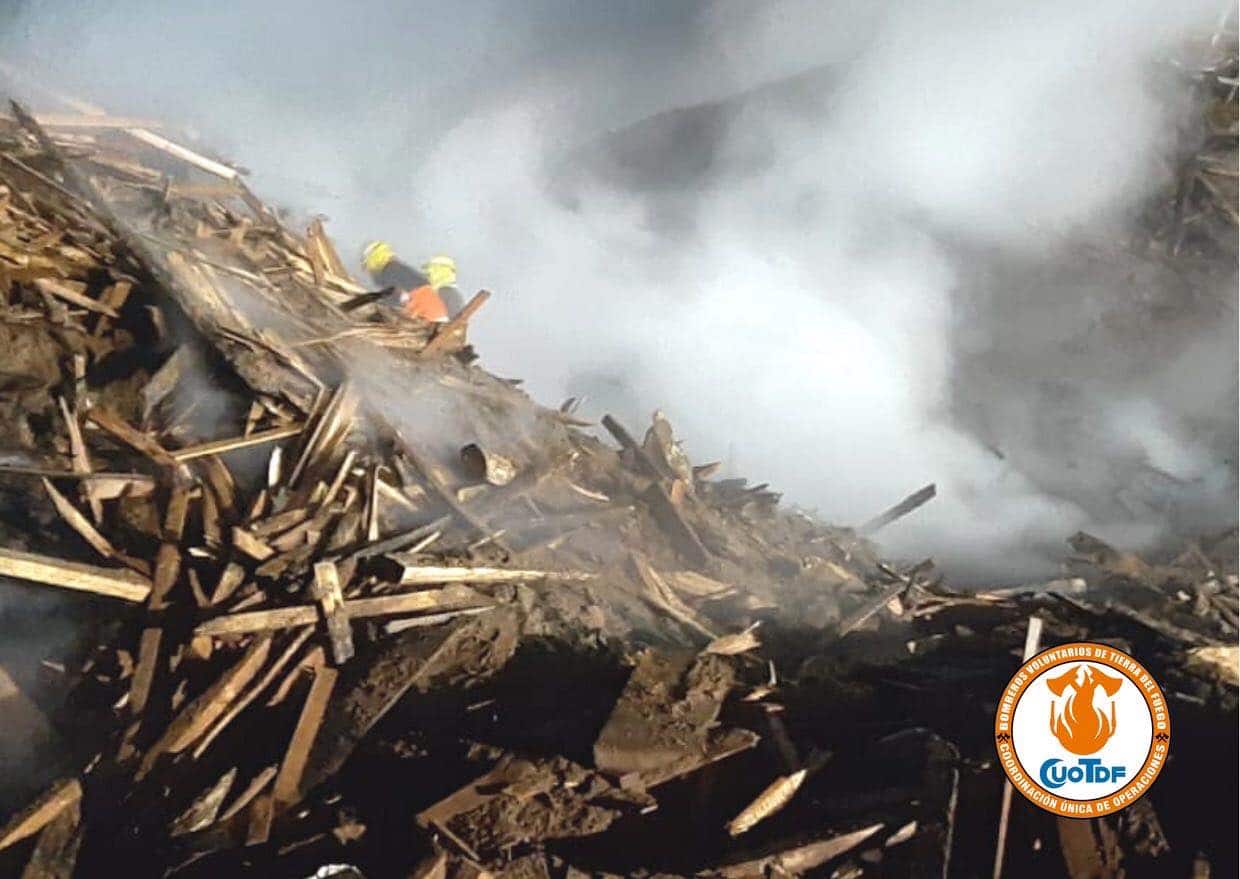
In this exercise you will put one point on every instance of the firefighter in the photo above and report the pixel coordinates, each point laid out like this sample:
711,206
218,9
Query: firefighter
428,294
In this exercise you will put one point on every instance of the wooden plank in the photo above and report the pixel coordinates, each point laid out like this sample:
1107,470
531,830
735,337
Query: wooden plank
112,582
909,504
399,541
327,591
1033,641
412,574
211,534
55,854
413,602
221,481
663,598
78,522
453,332
287,789
176,512
104,486
666,509
114,298
254,788
143,679
215,447
261,812
872,605
128,435
247,543
448,496
800,859
279,523
40,813
196,717
73,297
317,239
81,458
167,569
90,534
260,620
356,608
67,120
231,577
334,419
186,155
253,693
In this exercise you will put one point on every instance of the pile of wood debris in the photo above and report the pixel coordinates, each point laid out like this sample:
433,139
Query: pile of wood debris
366,609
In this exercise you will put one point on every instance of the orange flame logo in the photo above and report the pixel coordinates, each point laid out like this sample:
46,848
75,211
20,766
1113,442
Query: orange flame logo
1080,724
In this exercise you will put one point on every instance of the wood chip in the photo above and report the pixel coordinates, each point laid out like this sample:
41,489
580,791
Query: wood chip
777,795
247,543
734,643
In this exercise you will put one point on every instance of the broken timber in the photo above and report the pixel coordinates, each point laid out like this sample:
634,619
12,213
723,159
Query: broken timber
111,582
354,608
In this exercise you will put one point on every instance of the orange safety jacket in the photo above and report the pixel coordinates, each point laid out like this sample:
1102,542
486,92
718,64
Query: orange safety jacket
425,302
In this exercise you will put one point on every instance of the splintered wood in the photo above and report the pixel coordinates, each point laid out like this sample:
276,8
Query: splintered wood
343,575
112,582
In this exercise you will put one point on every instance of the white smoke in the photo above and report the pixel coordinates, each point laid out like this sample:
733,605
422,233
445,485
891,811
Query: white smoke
798,313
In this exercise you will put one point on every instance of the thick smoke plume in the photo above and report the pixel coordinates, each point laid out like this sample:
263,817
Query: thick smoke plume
848,288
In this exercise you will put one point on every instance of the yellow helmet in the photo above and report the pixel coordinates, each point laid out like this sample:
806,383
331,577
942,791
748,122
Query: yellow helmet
376,255
440,271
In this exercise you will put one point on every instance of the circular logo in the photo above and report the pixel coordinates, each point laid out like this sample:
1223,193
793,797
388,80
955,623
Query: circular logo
1082,730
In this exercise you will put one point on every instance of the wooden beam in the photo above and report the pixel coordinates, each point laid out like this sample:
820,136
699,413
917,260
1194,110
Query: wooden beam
666,509
287,790
186,155
247,543
422,575
316,238
254,788
215,447
66,120
800,859
40,813
259,826
1033,642
253,693
913,501
143,679
112,582
81,458
73,297
130,436
327,592
167,569
453,332
398,541
196,717
104,486
356,608
79,523
55,854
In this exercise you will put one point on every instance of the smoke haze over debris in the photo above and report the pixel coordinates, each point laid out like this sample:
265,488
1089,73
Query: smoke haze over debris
910,270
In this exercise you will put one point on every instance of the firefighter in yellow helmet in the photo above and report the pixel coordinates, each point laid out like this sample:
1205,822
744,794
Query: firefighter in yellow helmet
429,293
